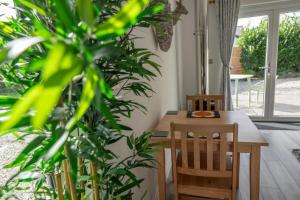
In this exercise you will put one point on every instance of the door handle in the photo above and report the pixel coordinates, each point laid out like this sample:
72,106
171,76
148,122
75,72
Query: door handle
268,68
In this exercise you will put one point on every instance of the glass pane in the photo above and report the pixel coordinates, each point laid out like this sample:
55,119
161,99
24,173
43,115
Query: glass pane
287,87
248,65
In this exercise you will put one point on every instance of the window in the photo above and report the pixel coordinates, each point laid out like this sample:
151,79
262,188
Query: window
6,10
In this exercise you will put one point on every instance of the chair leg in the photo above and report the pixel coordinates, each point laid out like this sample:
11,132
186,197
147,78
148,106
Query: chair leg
175,191
238,171
233,196
249,103
176,196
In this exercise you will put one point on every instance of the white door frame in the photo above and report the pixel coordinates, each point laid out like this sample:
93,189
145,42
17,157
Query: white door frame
273,12
275,36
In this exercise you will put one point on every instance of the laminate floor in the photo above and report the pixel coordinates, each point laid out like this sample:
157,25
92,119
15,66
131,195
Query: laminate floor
280,170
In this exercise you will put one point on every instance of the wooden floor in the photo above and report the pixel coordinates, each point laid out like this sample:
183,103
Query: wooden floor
280,170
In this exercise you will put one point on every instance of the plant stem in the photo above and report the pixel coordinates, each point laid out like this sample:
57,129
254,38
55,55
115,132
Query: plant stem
68,178
59,187
122,86
81,172
93,170
68,175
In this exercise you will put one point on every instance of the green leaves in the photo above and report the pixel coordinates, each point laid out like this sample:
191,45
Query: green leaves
8,100
139,88
87,96
5,28
85,10
32,6
69,62
16,47
118,24
61,66
106,90
129,186
56,76
57,145
64,12
21,108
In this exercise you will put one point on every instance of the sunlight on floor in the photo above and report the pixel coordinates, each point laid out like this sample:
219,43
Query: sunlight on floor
287,96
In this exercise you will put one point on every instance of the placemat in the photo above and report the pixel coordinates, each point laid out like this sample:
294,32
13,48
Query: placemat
214,114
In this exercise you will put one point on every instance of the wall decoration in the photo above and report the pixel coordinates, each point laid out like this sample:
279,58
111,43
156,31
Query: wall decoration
163,31
179,10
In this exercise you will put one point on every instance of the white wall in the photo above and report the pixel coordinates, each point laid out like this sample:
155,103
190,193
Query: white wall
189,58
165,98
214,71
188,71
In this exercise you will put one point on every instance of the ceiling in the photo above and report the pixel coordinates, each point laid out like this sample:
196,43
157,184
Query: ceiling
253,2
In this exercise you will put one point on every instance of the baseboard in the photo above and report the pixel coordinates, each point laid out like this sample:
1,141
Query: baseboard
277,126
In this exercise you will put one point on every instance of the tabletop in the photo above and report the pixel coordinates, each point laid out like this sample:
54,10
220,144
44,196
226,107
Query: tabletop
240,76
248,132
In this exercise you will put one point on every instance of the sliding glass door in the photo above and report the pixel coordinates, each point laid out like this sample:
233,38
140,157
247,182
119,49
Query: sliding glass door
265,65
248,64
287,81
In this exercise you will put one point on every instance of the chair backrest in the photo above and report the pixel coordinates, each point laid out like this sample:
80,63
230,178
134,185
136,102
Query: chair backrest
208,147
205,102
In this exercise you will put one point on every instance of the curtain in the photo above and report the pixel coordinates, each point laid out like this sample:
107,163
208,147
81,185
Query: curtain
227,17
201,16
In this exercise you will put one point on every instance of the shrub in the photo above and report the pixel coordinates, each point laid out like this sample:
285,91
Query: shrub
253,42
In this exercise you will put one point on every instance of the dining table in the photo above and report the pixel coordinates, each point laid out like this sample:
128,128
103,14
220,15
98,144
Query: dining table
237,78
249,141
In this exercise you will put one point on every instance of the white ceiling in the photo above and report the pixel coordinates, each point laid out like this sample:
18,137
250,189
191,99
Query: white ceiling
252,2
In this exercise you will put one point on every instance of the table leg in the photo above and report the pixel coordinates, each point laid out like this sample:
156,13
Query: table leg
238,170
161,173
254,172
236,85
249,90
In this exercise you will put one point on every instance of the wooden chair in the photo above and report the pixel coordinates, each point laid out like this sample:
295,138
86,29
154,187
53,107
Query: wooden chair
210,102
205,102
202,166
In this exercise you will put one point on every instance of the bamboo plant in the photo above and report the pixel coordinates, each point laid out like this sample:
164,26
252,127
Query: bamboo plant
70,65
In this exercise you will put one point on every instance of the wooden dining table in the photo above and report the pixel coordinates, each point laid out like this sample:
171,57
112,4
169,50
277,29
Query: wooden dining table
249,141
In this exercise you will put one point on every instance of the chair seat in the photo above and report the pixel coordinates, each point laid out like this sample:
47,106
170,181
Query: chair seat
187,197
211,187
206,186
206,182
204,191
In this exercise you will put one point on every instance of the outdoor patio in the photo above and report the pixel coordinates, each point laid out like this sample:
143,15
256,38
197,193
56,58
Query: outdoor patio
287,97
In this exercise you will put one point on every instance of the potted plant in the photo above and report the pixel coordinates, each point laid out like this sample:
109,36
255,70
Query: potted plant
69,63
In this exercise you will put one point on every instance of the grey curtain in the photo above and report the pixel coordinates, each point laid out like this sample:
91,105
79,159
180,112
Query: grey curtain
201,44
227,16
